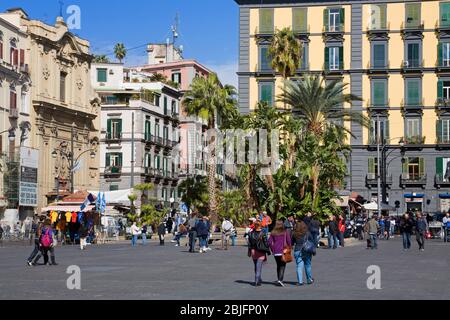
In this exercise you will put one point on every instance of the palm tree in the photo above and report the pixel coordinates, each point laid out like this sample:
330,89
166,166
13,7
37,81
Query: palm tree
195,192
208,99
120,51
320,104
158,77
286,53
101,59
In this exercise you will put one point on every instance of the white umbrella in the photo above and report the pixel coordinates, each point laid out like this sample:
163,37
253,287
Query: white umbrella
373,206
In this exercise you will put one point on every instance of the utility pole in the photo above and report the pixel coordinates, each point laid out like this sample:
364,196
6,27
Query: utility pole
72,156
378,166
132,152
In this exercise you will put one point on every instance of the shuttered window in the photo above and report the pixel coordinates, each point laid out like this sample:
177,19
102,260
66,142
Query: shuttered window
413,92
379,93
379,55
378,17
412,15
266,92
101,75
264,59
266,20
445,14
299,19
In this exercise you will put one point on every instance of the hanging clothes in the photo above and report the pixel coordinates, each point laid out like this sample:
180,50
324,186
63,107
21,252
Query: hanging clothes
53,216
68,216
74,217
80,217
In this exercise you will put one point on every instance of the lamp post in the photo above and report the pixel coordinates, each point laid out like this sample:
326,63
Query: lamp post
70,156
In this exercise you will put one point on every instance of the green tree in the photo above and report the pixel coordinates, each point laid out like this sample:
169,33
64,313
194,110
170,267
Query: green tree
194,193
208,99
144,189
120,51
101,59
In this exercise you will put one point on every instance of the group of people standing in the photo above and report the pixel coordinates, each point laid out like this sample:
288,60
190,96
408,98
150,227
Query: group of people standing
300,235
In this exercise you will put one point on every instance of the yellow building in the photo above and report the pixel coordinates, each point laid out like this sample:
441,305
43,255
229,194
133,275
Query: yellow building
396,56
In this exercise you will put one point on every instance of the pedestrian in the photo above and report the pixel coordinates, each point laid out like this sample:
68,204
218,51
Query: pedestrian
1,236
382,227
302,255
83,233
421,230
258,249
341,231
406,226
366,234
234,235
227,228
169,224
289,224
332,232
266,221
314,229
36,233
393,223
182,232
161,233
387,228
202,228
373,227
359,227
192,232
46,244
144,234
134,234
279,240
446,225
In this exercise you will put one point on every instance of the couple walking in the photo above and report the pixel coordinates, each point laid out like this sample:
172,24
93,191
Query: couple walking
279,243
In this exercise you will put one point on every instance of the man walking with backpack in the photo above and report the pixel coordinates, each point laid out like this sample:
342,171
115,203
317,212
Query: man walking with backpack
227,228
37,234
446,225
46,244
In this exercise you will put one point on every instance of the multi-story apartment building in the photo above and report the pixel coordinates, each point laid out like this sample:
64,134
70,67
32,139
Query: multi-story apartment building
139,132
396,56
15,85
63,111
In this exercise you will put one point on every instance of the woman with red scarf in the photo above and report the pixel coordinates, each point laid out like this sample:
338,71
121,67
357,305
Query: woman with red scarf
341,228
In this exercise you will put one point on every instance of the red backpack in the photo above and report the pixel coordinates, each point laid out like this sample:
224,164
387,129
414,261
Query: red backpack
46,239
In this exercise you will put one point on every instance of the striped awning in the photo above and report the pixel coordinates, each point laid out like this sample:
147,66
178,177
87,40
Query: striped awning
67,208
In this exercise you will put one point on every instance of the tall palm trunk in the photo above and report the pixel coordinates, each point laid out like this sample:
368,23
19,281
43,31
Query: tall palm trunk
212,164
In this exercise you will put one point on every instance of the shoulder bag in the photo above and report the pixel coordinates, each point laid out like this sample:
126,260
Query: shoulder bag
287,252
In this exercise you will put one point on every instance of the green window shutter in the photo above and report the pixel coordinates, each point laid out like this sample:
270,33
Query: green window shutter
413,93
327,58
326,20
266,93
107,160
101,75
383,8
440,89
387,130
421,166
372,165
440,54
266,20
439,130
299,20
120,126
379,93
109,126
445,14
405,166
413,14
440,166
342,18
341,58
120,160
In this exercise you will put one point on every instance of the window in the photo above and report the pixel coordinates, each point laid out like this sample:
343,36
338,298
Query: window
157,162
266,90
22,57
165,165
164,194
444,54
445,14
384,131
114,129
148,129
12,100
266,20
176,77
62,86
1,45
334,58
14,57
299,20
114,160
413,55
443,131
378,17
412,15
443,169
165,105
334,19
379,93
165,133
304,59
174,107
113,187
264,59
414,168
412,128
157,130
148,160
379,55
413,92
102,75
373,168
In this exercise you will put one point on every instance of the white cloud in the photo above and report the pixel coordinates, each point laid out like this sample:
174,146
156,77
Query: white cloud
226,72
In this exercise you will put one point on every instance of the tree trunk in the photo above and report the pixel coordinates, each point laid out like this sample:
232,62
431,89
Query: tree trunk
212,176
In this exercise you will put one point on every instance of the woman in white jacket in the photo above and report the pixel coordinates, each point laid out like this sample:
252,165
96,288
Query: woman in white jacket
135,231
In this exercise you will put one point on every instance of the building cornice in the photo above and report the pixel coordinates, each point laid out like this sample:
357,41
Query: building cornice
284,3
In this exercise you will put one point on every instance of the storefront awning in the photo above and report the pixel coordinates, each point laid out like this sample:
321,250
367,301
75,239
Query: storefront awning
444,196
67,208
414,195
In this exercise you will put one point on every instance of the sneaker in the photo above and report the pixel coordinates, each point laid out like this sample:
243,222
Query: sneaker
173,241
299,284
207,249
280,283
310,282
177,245
201,251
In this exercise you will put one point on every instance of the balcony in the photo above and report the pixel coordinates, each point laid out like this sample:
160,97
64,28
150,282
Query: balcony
414,142
378,105
113,171
443,143
412,66
378,67
175,117
149,140
158,141
443,104
264,31
333,69
302,31
264,70
333,29
378,31
443,65
442,26
372,142
113,137
412,27
371,180
24,69
407,179
13,113
415,104
441,181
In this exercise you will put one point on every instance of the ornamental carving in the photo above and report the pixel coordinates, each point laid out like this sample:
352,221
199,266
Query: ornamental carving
54,131
80,83
46,73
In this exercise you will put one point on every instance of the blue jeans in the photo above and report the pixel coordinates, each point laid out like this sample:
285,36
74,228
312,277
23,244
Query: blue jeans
332,241
373,241
445,234
133,241
258,270
203,241
178,236
303,261
406,240
144,239
192,240
233,241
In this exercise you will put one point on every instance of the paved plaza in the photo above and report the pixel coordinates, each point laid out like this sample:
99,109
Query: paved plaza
118,271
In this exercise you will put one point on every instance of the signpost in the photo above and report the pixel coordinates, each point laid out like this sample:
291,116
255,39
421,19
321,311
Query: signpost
28,188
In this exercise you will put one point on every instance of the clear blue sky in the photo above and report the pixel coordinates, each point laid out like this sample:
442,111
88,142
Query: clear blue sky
208,28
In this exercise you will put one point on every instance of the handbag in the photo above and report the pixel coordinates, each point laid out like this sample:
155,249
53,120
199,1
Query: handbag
287,252
309,247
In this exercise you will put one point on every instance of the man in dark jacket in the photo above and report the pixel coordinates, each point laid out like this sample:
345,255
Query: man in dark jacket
332,232
192,232
314,229
421,230
406,228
